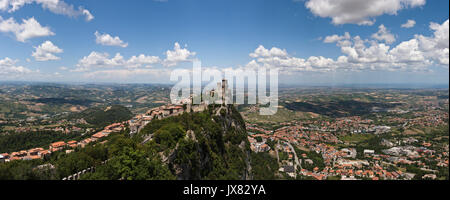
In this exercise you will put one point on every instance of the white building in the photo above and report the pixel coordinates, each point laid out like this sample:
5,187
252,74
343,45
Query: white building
367,151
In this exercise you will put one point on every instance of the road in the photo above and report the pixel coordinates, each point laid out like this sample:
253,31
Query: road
297,163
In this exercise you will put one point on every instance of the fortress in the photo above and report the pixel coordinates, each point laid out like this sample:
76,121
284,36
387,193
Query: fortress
219,96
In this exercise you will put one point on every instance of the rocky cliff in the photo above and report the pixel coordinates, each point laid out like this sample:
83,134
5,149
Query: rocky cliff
205,145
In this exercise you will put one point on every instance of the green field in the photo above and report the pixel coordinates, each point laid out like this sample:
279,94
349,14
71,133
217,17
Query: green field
282,115
356,138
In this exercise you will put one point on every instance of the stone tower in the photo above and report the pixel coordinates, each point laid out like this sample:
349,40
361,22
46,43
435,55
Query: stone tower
224,90
189,104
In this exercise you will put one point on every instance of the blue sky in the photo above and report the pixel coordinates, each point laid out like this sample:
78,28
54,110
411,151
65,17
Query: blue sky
223,34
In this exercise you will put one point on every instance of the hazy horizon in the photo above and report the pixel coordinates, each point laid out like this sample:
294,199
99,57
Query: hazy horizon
281,86
393,42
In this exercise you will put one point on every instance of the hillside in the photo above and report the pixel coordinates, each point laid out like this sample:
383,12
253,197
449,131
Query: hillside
338,108
103,116
210,145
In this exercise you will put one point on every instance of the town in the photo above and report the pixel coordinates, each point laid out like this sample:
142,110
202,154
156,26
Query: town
134,125
341,154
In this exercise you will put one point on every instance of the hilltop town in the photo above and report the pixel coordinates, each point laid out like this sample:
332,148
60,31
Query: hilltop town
134,125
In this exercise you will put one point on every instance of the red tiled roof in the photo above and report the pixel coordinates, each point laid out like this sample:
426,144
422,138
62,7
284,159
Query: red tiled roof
99,135
72,142
58,144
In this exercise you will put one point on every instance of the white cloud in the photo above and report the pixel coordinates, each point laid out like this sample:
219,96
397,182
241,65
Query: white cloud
409,24
8,67
88,15
177,55
46,51
416,54
29,28
372,55
55,6
358,11
96,60
137,61
108,40
336,38
437,46
263,52
441,36
99,60
384,34
277,58
408,52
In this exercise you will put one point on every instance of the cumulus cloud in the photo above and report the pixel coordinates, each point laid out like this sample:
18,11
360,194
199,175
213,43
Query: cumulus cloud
408,51
436,46
358,54
56,6
88,15
384,34
29,28
137,61
409,24
177,55
371,55
416,54
336,38
8,67
277,58
108,40
46,51
263,52
357,11
96,60
99,60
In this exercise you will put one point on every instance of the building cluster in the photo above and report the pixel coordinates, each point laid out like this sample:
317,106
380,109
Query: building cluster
40,153
340,159
183,106
66,130
44,123
258,146
139,121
